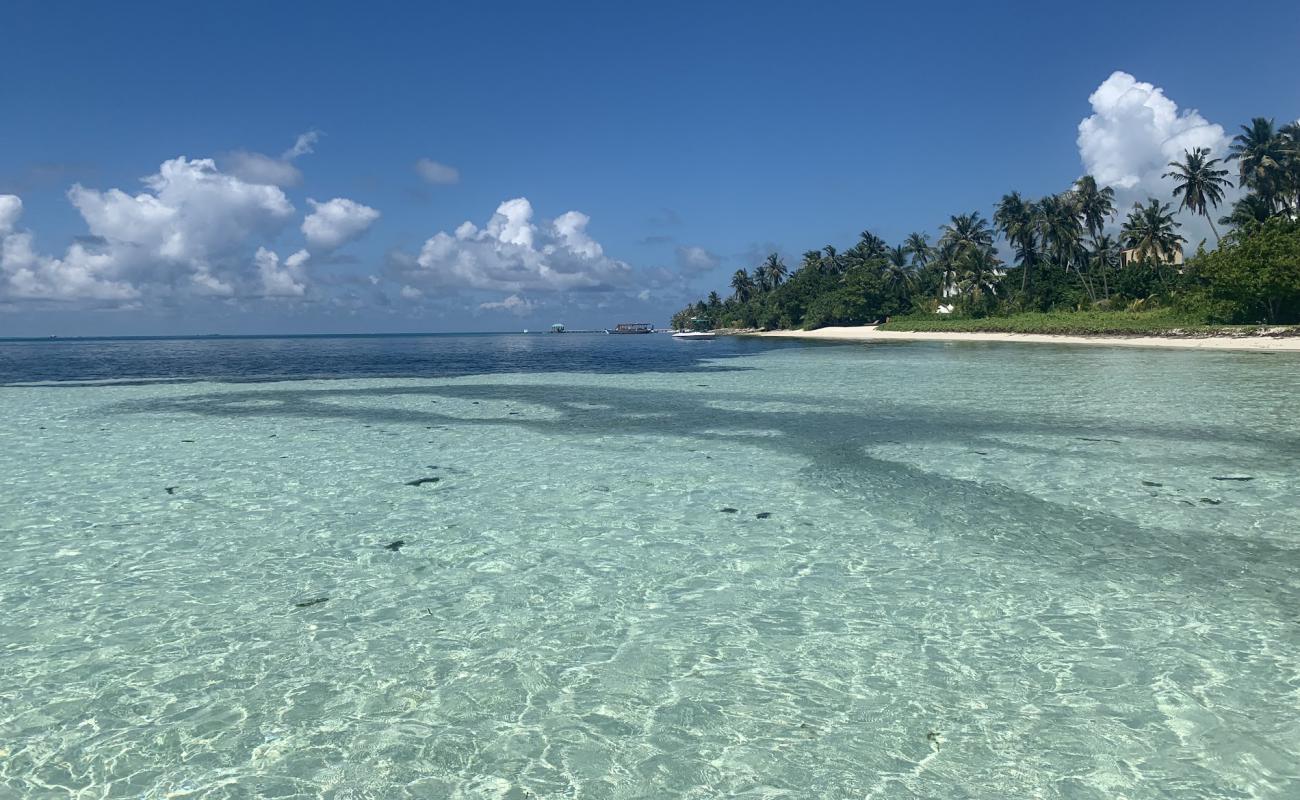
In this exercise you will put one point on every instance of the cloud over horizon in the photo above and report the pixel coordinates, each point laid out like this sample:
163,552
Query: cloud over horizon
512,254
194,231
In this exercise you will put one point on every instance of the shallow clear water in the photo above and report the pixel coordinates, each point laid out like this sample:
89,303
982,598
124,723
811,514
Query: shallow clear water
989,571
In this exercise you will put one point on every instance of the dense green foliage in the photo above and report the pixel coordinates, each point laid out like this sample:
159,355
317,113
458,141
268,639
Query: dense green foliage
1059,258
1255,274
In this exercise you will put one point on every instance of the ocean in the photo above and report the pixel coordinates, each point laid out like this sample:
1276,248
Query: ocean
578,566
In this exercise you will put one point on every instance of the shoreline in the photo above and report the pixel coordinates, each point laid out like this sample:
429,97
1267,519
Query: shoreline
870,333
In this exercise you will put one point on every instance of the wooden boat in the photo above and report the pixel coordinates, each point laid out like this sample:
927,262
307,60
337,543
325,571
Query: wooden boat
631,327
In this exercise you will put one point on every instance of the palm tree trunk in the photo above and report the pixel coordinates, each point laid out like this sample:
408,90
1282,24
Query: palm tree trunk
1213,230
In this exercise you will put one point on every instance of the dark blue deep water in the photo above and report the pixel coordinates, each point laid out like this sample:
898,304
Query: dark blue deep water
388,356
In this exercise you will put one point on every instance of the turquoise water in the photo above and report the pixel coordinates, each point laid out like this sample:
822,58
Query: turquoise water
989,571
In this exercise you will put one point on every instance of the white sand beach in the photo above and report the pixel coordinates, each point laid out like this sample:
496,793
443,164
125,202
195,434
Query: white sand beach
870,333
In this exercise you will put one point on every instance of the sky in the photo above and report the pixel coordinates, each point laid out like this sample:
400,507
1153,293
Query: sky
345,167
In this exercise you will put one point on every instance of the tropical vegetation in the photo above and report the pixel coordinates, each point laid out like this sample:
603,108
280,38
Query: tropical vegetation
1073,252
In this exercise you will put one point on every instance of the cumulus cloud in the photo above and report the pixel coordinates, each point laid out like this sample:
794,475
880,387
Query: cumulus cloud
514,304
190,231
694,258
1131,136
261,168
289,280
336,222
11,208
513,254
411,293
433,172
81,274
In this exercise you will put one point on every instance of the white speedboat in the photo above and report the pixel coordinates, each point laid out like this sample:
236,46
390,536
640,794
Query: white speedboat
701,328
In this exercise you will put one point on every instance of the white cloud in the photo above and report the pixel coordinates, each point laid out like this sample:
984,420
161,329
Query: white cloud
1132,135
694,258
411,293
337,222
301,146
261,168
514,304
287,281
80,275
513,254
436,173
11,208
191,231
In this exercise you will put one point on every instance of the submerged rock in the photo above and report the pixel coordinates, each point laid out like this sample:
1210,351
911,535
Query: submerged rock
1151,483
1210,501
170,489
1108,441
395,546
422,481
728,510
1233,478
315,601
763,514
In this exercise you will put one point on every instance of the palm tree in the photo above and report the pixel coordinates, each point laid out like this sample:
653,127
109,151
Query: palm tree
1290,134
1199,183
918,244
831,260
713,301
897,272
773,270
1094,204
812,260
871,246
1060,228
1104,256
1014,217
1247,211
965,232
743,285
1261,152
978,273
1151,231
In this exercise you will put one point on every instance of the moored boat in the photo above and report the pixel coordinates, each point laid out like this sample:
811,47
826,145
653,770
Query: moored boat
699,330
632,327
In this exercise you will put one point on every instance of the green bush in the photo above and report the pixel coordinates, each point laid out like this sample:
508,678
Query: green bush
1255,273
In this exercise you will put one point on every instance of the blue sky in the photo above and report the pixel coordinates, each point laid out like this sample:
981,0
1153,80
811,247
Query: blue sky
690,139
